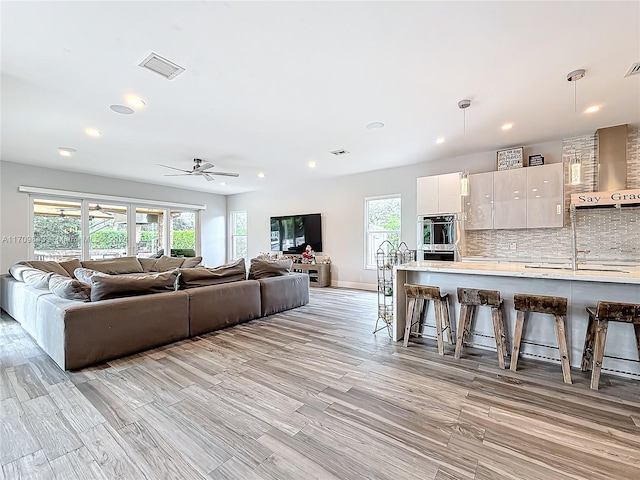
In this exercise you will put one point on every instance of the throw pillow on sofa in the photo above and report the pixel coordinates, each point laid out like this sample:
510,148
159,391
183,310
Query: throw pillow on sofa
262,268
203,276
69,288
147,264
191,262
18,269
104,287
114,266
84,274
48,266
165,263
71,265
37,278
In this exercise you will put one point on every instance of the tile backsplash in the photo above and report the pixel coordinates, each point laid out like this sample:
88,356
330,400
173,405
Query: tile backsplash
611,234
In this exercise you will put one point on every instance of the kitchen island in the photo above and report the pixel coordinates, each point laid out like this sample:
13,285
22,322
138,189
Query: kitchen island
583,288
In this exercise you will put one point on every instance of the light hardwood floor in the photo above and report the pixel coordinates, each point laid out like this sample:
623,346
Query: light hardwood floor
309,393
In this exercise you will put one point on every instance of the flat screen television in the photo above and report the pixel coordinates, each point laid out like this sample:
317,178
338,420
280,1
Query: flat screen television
292,233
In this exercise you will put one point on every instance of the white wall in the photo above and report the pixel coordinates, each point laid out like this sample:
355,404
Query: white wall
14,206
341,203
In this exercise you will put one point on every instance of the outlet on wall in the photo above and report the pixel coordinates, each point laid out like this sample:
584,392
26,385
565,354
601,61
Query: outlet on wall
513,245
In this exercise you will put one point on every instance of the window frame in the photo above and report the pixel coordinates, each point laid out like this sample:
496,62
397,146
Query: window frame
367,233
233,236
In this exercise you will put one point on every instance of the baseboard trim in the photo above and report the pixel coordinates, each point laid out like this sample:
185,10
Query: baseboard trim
355,285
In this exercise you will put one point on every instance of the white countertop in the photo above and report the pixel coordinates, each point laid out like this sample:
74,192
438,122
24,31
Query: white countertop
586,273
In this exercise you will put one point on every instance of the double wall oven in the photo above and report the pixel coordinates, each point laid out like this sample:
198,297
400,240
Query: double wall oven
439,237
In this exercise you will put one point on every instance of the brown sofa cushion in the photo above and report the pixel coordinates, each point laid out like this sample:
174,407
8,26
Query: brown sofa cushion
165,263
18,269
191,262
48,266
36,278
147,263
104,287
85,274
203,276
113,266
71,265
69,288
261,268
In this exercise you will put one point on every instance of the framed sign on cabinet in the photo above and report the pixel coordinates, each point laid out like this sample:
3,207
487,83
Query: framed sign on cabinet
510,158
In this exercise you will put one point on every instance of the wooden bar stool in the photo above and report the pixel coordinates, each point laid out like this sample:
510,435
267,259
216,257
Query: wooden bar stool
418,297
596,337
471,298
556,306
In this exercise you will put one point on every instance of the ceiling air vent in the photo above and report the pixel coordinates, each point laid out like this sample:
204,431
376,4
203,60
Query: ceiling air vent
162,66
342,151
633,69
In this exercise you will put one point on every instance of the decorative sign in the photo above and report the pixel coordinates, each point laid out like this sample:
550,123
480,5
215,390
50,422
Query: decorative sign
511,158
536,160
596,199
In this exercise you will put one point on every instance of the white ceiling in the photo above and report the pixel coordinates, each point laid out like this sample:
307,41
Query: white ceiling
270,86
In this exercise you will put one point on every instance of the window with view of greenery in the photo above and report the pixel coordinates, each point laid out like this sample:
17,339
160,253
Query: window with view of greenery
238,235
183,230
382,217
57,230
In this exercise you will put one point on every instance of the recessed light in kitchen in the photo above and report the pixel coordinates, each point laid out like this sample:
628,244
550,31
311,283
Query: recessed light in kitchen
66,151
123,109
592,109
440,140
261,175
374,125
135,102
92,132
312,164
507,126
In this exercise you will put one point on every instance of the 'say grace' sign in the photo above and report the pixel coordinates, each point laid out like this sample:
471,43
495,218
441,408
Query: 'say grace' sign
595,199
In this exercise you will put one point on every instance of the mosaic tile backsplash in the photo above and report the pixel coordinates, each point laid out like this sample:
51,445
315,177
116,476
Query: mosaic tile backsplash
611,234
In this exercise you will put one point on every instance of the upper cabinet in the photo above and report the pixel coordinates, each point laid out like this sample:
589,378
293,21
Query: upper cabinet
545,196
439,194
478,206
529,197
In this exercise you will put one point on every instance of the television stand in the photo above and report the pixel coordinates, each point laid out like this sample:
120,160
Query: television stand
319,273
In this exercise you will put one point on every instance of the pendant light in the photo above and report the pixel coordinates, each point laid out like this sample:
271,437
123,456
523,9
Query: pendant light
575,166
464,175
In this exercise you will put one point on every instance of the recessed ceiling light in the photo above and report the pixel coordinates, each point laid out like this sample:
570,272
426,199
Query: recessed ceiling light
592,109
261,175
135,102
507,126
374,125
66,151
123,109
92,132
223,183
312,164
440,140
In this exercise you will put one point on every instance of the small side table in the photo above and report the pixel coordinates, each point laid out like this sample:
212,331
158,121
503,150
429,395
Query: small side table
319,273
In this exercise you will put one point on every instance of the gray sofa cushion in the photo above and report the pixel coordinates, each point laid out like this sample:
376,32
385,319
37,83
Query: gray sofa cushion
261,268
202,276
165,263
69,288
104,287
71,265
278,294
48,266
37,278
113,266
85,274
18,270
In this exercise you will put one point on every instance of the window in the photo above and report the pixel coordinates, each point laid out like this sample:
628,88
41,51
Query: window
149,231
107,231
238,235
382,222
183,233
57,229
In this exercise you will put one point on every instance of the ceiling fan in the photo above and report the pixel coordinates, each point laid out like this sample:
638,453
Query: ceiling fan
199,169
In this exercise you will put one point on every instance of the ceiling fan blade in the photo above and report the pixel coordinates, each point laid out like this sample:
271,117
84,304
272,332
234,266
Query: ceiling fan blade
177,174
174,168
208,177
202,167
224,174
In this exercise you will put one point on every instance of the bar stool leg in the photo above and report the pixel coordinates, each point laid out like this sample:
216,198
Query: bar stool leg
517,337
636,326
438,313
598,354
562,345
587,351
409,318
463,328
447,323
505,345
423,305
496,314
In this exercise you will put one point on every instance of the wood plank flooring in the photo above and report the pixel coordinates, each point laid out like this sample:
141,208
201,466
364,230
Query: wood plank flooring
309,393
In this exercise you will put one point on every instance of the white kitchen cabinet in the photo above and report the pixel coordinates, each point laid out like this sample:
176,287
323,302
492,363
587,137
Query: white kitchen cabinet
545,196
510,199
439,194
478,206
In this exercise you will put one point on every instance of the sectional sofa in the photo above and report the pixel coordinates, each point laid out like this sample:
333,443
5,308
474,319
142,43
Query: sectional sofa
116,312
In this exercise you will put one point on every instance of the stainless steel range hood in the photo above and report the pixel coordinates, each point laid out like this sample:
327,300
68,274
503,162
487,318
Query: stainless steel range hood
612,159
